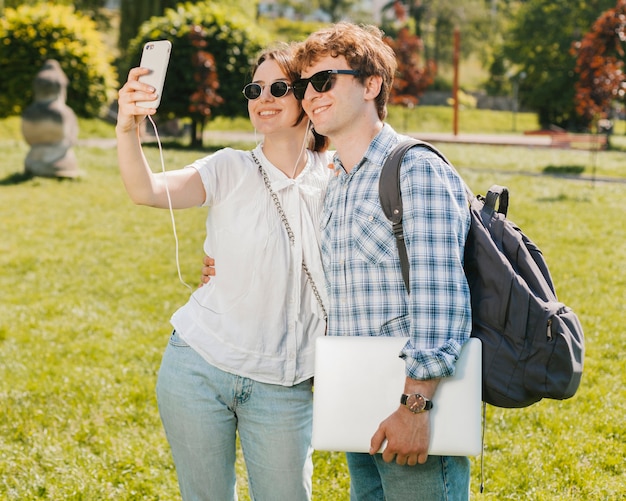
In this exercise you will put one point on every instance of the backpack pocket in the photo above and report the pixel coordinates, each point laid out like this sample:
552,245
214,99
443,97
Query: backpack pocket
562,353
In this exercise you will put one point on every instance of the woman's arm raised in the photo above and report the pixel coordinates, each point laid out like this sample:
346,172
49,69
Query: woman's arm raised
143,186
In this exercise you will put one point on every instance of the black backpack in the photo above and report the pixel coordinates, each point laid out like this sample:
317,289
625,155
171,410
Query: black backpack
533,345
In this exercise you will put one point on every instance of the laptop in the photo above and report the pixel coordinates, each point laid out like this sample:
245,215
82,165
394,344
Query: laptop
358,383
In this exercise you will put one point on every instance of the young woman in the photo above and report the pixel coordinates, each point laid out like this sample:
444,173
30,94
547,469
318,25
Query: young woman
240,358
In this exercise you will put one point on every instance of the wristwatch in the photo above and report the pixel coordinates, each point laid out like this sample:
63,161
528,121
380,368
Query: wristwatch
416,402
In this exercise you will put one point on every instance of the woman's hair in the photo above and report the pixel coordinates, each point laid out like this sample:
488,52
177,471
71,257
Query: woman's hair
364,50
283,55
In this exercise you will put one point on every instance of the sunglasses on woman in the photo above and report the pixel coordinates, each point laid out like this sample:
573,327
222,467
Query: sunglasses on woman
322,81
253,91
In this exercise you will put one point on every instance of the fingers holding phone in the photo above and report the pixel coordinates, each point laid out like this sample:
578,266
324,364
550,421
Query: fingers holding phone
141,94
155,57
129,114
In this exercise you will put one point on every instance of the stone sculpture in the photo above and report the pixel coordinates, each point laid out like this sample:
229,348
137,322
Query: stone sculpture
50,126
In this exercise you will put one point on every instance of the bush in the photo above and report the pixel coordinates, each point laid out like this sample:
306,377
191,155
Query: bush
29,35
231,36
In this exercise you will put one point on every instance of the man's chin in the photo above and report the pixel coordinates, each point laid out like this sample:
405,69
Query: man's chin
320,128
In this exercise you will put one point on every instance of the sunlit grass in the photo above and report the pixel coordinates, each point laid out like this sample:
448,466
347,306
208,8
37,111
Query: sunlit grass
88,282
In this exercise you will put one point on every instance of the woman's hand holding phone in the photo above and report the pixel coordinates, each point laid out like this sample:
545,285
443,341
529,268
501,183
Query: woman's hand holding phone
155,57
141,94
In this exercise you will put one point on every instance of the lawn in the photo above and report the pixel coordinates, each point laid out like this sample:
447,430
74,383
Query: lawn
88,282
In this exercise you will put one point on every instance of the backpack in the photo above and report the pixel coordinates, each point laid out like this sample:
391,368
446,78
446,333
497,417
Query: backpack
533,345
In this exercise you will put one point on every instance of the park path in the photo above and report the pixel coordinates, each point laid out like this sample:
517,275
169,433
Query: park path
530,140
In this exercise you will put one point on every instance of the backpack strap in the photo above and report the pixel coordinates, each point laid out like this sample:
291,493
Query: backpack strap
391,196
391,202
494,194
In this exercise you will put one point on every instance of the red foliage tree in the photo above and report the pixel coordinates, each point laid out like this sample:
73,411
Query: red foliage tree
205,96
599,63
411,79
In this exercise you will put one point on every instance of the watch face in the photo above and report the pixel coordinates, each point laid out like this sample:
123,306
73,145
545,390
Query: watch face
416,403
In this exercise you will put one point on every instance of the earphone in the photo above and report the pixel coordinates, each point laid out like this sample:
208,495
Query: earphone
309,128
295,168
169,199
169,202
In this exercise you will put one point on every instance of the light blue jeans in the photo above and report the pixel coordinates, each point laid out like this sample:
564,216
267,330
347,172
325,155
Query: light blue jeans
202,409
441,478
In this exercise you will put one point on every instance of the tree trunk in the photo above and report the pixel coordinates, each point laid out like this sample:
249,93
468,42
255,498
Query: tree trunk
197,131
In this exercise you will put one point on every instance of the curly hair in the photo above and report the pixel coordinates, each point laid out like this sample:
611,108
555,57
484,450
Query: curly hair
364,50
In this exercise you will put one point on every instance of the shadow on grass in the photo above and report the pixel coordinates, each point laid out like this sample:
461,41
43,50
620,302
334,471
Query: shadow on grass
182,146
564,170
208,147
562,197
16,178
23,177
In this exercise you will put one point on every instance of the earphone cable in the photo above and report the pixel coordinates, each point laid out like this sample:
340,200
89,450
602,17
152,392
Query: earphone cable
169,202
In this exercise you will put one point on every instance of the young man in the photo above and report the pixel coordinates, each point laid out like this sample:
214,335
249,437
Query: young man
347,72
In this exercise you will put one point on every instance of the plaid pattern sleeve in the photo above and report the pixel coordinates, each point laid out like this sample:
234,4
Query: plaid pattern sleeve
366,291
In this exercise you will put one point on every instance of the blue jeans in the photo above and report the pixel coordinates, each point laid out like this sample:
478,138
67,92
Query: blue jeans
441,478
202,409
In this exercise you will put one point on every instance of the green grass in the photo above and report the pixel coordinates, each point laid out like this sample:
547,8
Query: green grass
89,281
440,119
425,119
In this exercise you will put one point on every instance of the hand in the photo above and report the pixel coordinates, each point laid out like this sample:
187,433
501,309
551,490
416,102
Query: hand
208,270
407,435
129,115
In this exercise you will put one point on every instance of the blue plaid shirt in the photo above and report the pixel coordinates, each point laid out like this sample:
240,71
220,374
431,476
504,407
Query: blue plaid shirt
366,291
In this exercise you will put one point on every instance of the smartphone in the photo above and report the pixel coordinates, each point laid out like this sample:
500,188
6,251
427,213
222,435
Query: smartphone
155,56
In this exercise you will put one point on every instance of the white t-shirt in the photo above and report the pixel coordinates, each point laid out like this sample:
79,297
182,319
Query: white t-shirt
258,316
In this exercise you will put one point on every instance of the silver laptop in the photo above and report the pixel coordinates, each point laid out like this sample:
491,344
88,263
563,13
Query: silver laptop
358,383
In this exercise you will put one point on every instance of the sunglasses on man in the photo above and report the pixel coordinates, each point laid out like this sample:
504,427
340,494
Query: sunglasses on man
253,91
322,81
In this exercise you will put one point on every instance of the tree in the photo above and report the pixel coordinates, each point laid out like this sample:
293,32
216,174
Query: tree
32,34
336,8
90,8
79,5
206,95
600,63
135,12
435,21
213,47
539,45
411,9
411,80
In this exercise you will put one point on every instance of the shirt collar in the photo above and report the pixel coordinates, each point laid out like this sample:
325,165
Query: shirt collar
381,145
376,153
278,180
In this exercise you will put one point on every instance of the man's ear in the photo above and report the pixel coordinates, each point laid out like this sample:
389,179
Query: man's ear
373,85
